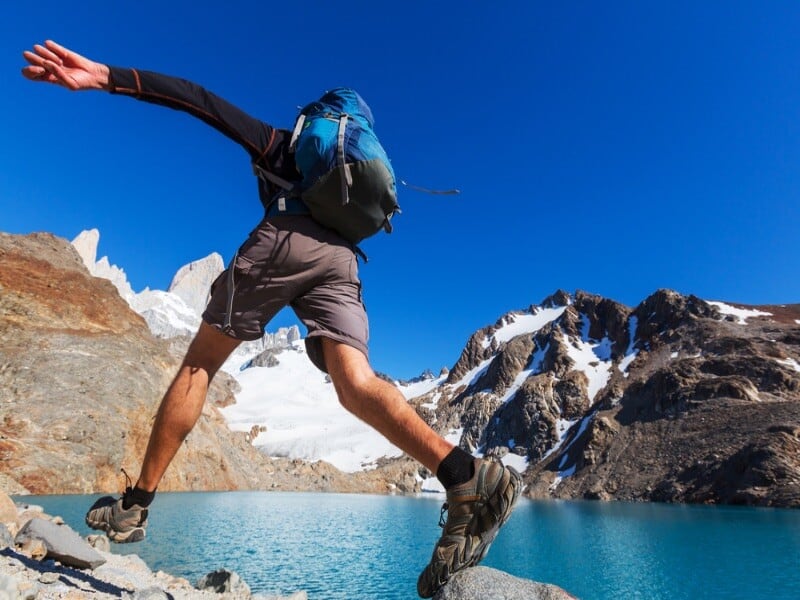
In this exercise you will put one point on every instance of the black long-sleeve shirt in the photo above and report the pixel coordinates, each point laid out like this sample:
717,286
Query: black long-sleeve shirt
266,145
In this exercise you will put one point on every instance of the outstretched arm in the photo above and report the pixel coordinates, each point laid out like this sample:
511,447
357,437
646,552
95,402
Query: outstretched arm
53,63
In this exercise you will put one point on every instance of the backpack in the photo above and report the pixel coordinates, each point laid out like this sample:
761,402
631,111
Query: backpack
348,183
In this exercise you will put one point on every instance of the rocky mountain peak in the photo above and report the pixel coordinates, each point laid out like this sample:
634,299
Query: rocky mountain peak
192,282
665,401
559,298
86,245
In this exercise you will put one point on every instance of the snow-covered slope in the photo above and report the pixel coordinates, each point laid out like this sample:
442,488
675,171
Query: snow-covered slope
297,406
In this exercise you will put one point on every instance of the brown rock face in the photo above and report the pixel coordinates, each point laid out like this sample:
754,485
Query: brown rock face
80,381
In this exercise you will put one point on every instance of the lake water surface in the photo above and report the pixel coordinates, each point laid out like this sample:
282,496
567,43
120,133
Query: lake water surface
337,546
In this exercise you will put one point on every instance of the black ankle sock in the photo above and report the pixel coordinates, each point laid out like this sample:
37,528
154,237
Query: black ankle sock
456,468
137,496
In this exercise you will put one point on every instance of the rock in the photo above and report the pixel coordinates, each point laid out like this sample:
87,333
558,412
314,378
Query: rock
34,548
484,583
6,539
26,512
151,593
224,581
265,359
8,587
99,542
48,577
86,245
62,544
27,591
8,510
11,486
192,282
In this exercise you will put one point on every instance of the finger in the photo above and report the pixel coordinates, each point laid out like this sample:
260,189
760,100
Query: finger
59,50
37,74
47,54
55,70
33,58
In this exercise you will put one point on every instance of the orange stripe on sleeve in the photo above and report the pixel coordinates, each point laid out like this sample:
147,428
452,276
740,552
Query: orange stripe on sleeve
138,82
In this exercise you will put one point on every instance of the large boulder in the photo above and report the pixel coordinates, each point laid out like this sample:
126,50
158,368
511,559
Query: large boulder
224,581
484,583
62,543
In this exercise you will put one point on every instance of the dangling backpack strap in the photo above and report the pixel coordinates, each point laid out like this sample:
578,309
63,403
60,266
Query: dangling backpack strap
425,190
346,176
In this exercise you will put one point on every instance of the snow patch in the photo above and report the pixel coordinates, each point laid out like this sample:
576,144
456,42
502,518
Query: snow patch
674,355
741,314
434,403
515,385
790,362
420,388
518,324
593,359
515,461
563,470
432,485
562,427
538,359
473,374
632,352
454,437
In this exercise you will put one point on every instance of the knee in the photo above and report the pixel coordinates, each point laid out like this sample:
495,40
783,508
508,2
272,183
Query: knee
353,390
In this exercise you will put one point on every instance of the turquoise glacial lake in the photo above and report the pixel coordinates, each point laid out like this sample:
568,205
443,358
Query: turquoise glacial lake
337,546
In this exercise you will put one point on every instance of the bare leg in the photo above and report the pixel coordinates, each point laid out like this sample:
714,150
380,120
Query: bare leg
381,405
183,402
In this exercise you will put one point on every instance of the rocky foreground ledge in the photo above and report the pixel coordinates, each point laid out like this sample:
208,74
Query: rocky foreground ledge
42,558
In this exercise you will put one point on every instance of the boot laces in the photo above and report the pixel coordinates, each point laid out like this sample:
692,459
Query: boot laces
128,482
442,518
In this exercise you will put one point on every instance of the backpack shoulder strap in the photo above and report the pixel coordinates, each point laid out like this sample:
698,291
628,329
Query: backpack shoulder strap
298,127
272,178
346,176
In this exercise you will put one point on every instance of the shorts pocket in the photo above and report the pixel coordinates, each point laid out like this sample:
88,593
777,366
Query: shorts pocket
242,265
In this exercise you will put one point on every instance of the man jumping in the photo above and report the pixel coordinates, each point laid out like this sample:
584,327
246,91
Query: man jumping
288,260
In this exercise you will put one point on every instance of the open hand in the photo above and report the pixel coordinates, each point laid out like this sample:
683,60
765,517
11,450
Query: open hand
53,63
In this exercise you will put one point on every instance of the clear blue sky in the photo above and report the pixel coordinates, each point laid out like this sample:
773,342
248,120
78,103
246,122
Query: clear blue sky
615,147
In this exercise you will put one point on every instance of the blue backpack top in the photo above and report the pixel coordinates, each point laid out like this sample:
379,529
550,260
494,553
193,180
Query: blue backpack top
348,183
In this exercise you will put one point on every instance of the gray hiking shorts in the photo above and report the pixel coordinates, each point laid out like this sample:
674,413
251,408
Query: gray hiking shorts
291,260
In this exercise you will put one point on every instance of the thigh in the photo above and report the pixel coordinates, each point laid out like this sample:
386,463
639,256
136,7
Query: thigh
334,309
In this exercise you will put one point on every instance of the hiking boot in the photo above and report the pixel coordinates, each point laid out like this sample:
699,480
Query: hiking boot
120,524
475,512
